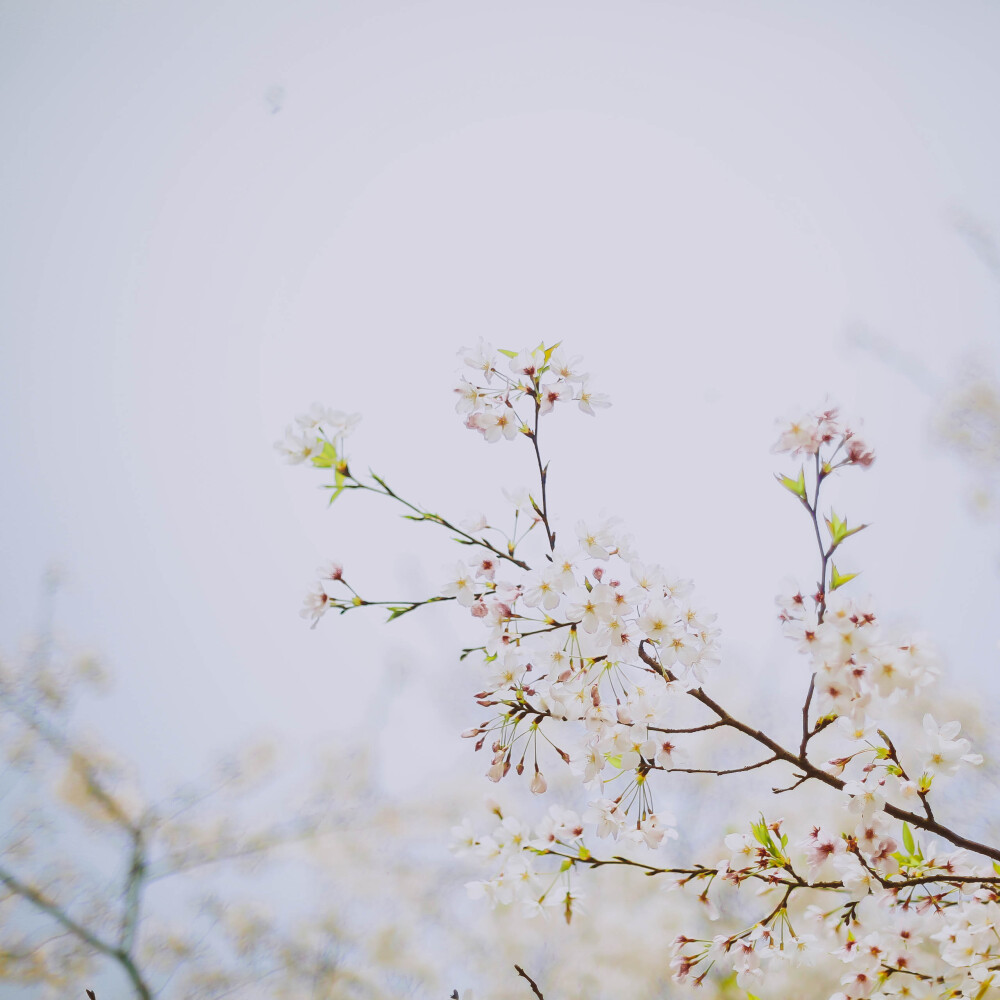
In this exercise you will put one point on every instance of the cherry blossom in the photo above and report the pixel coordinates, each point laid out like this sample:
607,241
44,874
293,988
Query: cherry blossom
596,670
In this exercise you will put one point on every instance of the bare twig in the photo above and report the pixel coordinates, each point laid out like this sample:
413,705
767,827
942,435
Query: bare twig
531,982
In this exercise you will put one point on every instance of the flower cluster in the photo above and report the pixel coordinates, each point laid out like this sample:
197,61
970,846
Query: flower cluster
318,437
541,376
592,661
813,432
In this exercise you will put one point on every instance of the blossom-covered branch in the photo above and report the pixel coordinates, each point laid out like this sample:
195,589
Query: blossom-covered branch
593,660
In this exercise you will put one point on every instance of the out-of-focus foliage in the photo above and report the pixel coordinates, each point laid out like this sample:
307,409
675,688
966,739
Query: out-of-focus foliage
968,423
223,889
99,877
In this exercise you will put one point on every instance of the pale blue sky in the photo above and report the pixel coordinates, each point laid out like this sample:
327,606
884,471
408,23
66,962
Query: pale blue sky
216,213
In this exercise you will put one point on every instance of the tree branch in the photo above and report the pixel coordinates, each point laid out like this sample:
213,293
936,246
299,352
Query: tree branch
531,982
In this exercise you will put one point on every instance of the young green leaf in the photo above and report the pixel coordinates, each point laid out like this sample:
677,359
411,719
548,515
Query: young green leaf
908,838
796,486
838,529
838,579
326,458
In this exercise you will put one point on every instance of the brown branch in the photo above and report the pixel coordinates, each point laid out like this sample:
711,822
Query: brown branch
709,770
691,729
805,717
531,982
811,771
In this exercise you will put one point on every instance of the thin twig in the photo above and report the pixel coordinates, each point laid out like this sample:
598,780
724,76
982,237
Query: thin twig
531,982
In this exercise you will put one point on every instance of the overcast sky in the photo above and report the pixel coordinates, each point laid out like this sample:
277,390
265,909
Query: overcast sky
214,214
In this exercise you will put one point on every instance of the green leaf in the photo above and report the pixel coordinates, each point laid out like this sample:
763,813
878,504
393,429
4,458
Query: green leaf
836,526
326,458
507,354
838,529
838,579
908,838
339,485
796,486
398,610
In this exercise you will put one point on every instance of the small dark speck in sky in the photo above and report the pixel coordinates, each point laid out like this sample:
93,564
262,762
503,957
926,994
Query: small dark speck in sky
274,98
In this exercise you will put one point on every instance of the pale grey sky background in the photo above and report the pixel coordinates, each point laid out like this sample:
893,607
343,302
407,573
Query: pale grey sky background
214,214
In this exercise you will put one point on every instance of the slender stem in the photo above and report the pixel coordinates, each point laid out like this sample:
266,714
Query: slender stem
542,475
894,757
423,515
709,770
824,553
772,877
806,734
